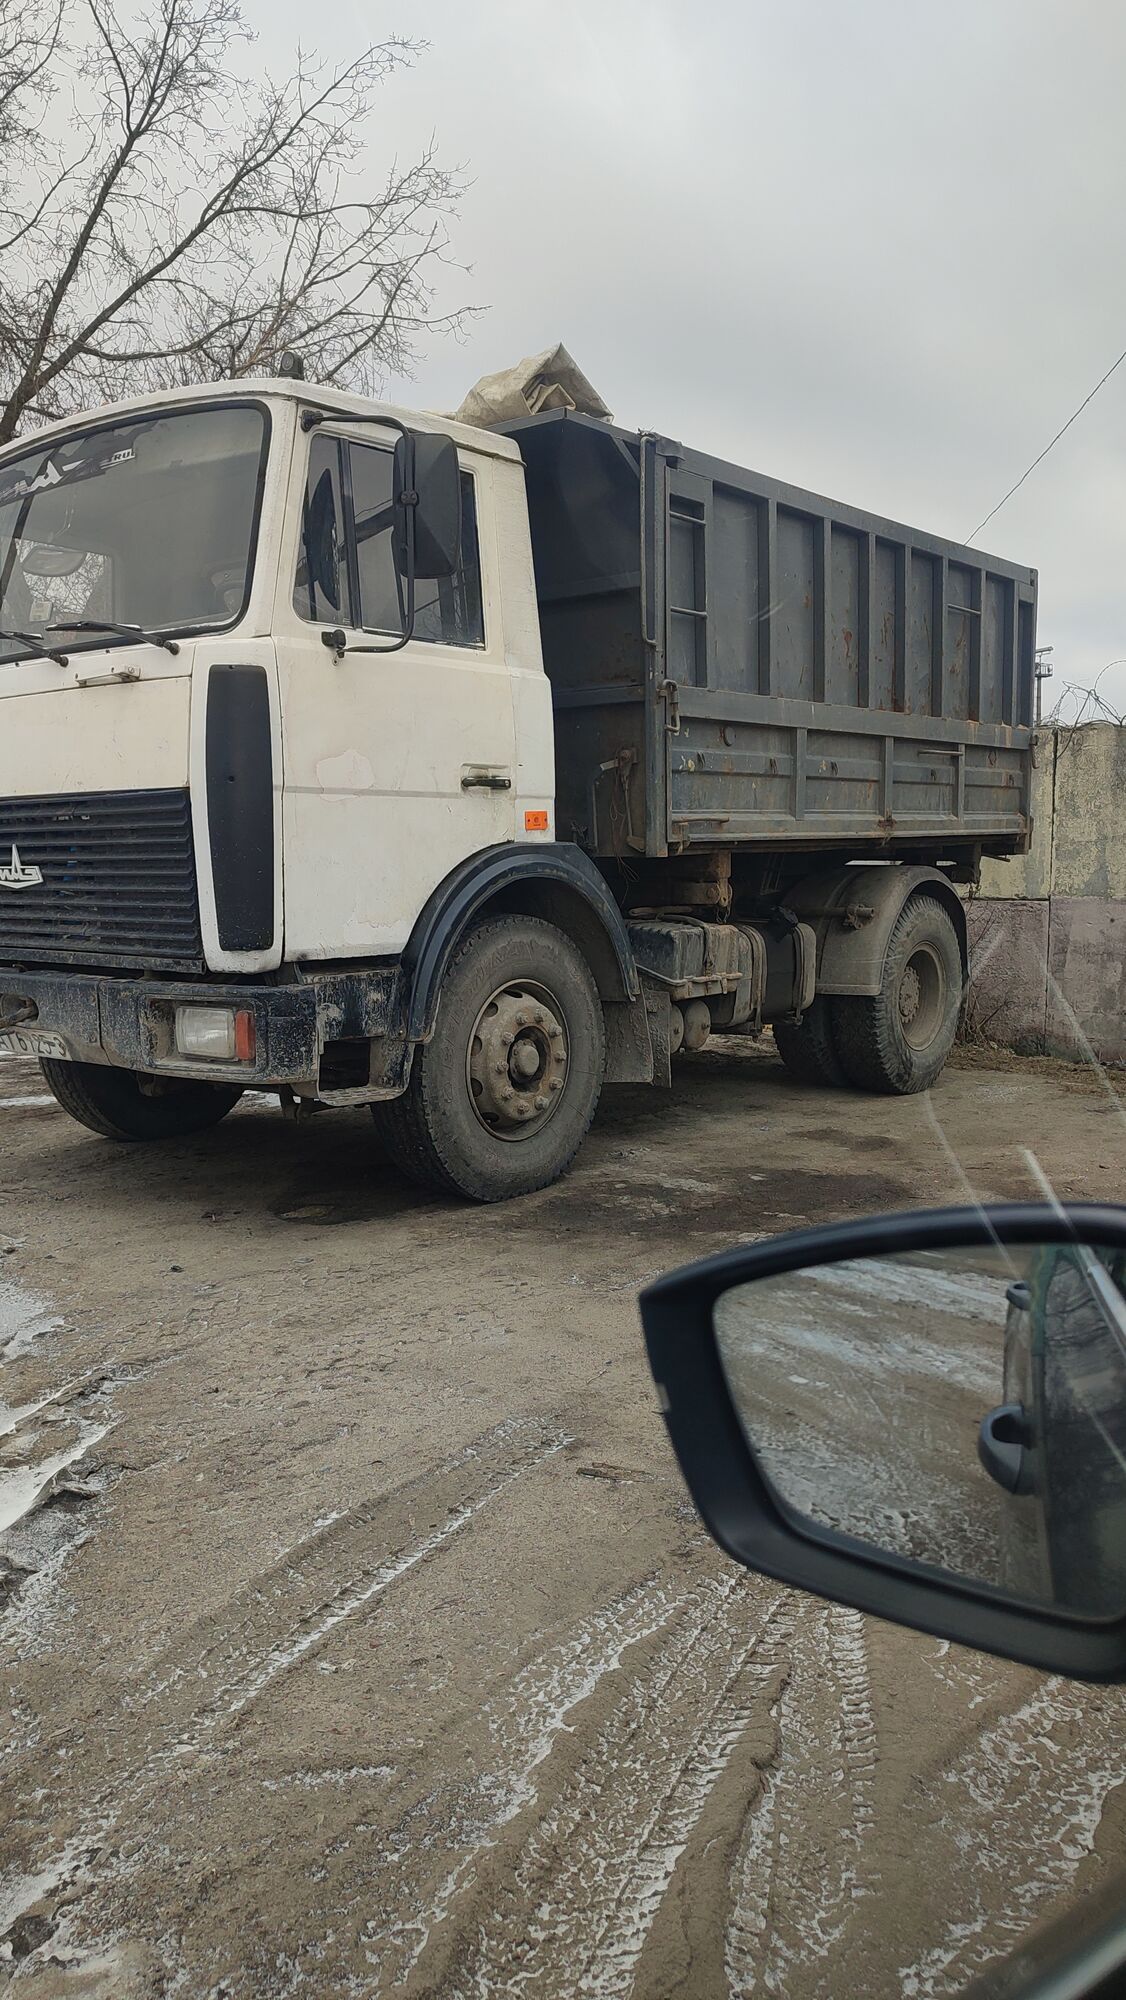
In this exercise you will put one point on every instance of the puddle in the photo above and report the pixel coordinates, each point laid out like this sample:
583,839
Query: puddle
642,1205
374,1198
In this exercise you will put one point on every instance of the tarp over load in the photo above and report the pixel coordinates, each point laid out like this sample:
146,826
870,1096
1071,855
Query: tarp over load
547,381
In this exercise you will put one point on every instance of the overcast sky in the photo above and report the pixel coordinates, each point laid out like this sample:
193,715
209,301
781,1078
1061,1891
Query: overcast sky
875,249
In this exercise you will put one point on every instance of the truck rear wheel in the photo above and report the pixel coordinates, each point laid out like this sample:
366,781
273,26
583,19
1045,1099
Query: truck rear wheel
807,1047
898,1040
501,1097
112,1103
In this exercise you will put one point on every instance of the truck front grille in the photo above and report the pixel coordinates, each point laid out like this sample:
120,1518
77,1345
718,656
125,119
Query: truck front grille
117,881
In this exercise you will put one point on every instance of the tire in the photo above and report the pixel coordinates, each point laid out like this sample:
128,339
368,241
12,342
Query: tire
898,1041
808,1049
112,1103
456,1129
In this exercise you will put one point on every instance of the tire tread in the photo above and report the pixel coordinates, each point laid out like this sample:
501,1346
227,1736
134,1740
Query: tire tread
75,1088
808,1048
407,1130
864,1028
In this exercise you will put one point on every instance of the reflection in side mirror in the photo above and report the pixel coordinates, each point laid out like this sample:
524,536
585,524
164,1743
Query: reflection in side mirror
924,1416
905,1401
436,510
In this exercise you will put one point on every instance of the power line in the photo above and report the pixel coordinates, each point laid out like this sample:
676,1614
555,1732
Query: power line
1048,447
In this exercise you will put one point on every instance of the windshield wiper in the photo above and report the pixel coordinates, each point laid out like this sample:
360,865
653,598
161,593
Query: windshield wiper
36,647
112,625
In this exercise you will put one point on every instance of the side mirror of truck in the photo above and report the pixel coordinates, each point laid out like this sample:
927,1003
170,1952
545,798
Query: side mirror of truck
427,497
921,1416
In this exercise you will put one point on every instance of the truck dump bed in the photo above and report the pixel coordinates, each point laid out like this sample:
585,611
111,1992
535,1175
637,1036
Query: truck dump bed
735,662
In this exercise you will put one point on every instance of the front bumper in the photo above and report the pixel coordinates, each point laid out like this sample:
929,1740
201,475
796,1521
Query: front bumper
302,1026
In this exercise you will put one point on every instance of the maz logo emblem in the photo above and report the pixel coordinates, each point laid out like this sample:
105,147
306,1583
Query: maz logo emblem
13,875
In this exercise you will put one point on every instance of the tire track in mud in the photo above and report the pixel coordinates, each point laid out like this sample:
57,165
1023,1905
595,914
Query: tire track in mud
543,1701
1027,1798
204,1685
284,1616
807,1857
563,1895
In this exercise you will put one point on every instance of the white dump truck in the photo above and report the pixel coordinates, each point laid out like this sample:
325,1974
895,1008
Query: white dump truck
371,758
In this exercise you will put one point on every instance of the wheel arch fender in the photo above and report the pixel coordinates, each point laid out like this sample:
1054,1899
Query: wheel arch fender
851,950
556,882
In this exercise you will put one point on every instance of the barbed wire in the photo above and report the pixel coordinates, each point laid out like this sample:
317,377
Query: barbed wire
1090,705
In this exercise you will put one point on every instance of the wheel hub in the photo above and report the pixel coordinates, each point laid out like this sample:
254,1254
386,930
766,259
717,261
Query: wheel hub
922,997
910,994
516,1064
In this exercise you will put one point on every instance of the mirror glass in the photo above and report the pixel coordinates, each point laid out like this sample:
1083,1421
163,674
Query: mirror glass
961,1408
437,516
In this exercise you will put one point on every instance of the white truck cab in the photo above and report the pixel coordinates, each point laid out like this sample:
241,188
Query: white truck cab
195,511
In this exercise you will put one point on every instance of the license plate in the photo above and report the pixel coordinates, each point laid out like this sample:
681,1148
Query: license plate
23,1042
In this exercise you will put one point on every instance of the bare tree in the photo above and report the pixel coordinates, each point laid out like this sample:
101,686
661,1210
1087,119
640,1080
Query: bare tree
164,219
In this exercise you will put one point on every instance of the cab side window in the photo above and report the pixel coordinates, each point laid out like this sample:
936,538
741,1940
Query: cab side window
371,593
321,590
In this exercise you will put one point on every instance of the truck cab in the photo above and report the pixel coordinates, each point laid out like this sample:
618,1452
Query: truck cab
221,528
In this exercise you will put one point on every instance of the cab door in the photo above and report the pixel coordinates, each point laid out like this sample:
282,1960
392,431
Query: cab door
397,765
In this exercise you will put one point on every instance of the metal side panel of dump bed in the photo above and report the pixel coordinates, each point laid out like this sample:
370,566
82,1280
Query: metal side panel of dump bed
738,663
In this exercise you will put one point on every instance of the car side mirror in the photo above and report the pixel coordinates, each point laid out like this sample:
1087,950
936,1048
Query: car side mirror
922,1416
427,498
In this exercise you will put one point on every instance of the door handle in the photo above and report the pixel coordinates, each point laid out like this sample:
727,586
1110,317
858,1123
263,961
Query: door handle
485,781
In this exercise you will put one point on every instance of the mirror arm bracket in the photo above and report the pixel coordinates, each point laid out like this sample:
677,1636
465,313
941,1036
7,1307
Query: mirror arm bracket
335,638
337,642
311,418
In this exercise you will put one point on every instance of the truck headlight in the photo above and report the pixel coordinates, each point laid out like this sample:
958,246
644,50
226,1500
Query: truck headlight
215,1034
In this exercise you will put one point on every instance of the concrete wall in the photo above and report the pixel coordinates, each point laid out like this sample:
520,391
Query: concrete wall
1048,929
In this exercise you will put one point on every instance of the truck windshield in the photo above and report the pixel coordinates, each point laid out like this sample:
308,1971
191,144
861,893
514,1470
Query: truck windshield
149,521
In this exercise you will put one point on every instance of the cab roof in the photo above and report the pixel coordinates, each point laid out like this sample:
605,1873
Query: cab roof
336,403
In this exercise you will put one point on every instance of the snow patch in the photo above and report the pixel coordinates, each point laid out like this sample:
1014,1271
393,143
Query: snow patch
24,1319
23,1486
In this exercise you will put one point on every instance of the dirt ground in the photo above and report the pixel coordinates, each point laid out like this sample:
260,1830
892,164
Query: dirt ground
357,1634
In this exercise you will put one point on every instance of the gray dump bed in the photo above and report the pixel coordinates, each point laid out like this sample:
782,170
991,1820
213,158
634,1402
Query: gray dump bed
738,663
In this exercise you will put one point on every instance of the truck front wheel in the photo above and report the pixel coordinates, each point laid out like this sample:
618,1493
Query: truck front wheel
112,1103
501,1097
898,1040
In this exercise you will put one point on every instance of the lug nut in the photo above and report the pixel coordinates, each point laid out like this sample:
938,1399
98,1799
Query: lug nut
538,1018
500,1069
556,1033
506,1040
541,1104
521,1020
556,1083
508,1094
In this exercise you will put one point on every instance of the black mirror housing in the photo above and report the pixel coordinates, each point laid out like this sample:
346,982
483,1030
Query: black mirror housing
426,466
742,1508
